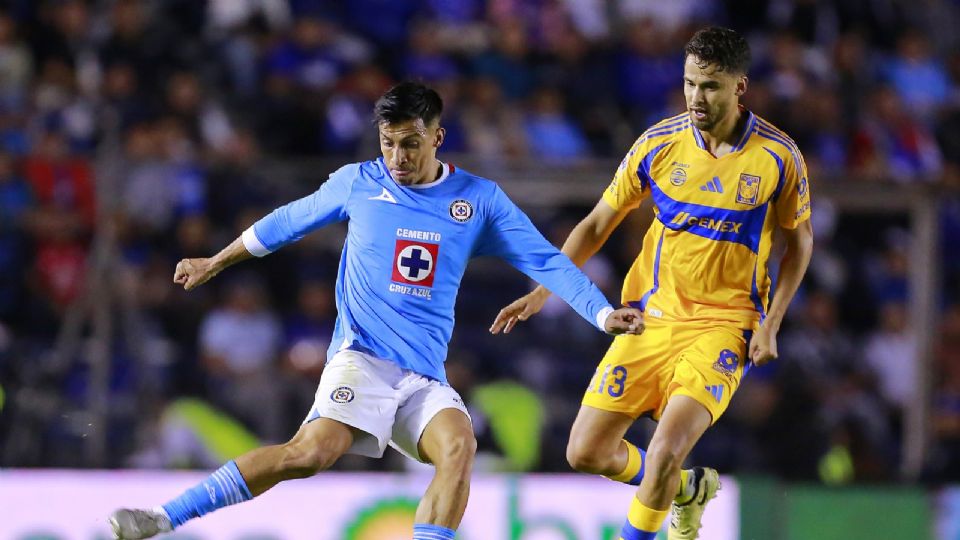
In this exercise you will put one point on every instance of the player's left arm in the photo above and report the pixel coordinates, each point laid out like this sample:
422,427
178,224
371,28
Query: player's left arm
512,236
793,265
792,208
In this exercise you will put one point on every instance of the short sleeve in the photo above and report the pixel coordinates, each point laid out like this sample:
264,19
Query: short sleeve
792,199
630,184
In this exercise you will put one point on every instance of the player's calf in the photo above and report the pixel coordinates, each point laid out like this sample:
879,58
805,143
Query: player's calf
662,475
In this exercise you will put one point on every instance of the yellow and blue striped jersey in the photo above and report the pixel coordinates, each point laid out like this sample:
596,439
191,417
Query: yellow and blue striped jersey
704,259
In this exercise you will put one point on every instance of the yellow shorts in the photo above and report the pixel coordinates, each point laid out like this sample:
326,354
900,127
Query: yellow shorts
639,373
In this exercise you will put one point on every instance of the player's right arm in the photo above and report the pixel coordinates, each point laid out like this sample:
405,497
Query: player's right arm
192,273
284,225
625,192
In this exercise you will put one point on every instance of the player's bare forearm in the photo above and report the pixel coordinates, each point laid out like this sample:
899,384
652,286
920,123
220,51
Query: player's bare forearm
793,266
230,255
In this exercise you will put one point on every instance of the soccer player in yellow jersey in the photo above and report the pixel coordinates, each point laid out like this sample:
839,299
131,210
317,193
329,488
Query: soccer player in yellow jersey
722,181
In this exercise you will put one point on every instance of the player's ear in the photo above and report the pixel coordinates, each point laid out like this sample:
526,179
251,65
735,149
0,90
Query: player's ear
742,85
438,140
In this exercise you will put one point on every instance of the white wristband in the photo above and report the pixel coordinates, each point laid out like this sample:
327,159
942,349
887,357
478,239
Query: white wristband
253,244
602,318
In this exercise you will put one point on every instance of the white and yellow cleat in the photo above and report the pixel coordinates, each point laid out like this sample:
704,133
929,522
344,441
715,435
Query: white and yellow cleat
685,519
130,524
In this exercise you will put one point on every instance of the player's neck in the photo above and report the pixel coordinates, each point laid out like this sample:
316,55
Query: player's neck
436,172
725,135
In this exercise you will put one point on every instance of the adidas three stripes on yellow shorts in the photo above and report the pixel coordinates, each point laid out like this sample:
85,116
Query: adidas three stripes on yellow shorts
638,374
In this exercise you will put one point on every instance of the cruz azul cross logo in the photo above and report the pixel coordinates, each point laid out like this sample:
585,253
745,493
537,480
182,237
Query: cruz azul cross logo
414,262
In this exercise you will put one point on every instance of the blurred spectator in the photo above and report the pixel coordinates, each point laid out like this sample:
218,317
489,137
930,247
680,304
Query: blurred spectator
64,217
887,272
316,55
16,65
307,334
891,144
132,41
946,400
820,356
585,77
891,352
553,136
917,76
818,346
820,129
854,72
16,202
668,17
162,182
425,59
240,344
204,119
506,62
122,95
492,127
385,22
348,109
649,69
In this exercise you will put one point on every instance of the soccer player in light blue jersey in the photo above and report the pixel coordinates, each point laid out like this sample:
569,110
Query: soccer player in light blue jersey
414,223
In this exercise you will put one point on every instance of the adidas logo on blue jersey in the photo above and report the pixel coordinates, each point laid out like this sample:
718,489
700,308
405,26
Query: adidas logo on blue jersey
713,186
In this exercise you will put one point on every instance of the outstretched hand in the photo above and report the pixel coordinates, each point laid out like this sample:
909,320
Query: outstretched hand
520,309
192,273
624,321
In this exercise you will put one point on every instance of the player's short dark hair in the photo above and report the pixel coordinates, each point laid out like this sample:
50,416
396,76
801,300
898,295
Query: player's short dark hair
408,101
723,47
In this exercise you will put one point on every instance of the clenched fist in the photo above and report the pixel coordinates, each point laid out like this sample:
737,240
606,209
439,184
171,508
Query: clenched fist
192,273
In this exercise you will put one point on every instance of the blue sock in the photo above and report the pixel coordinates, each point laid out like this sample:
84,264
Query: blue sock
426,531
224,487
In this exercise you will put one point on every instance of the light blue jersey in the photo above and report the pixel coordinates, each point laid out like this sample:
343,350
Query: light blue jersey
406,250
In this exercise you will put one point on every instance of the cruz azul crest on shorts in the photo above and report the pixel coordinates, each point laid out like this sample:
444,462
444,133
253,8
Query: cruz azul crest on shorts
748,189
342,394
414,263
461,210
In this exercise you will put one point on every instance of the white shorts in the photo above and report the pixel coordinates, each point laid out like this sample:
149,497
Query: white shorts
387,403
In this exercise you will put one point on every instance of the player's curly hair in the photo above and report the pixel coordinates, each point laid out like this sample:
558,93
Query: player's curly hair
408,101
724,47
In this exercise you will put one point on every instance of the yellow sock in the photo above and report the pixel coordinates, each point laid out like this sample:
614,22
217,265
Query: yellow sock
633,472
642,522
685,491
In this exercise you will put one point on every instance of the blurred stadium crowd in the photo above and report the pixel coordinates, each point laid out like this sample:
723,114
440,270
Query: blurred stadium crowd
168,126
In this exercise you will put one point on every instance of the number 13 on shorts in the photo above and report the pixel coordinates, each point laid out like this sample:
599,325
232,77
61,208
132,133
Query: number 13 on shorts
608,379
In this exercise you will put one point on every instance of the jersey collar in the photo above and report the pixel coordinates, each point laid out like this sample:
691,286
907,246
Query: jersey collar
747,130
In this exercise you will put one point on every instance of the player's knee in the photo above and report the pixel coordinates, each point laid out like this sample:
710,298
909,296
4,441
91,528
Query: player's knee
582,459
589,456
456,452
